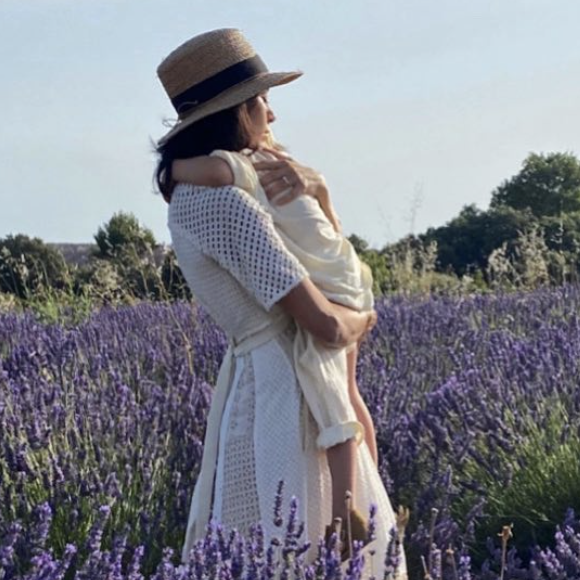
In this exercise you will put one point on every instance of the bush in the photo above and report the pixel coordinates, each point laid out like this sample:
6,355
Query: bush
28,265
123,231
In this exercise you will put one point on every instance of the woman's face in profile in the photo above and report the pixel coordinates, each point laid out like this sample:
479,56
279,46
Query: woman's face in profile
261,115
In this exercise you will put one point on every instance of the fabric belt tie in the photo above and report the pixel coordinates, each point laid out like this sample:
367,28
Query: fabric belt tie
200,508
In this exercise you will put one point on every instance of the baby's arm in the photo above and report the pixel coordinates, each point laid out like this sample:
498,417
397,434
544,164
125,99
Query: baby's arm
361,410
328,209
203,170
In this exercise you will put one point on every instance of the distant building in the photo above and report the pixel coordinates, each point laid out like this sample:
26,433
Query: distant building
75,254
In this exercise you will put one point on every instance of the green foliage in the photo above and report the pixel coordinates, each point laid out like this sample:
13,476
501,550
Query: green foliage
132,275
547,185
374,260
411,269
359,244
562,233
8,303
140,273
172,278
529,236
36,276
465,243
28,264
541,484
101,281
136,266
123,231
408,267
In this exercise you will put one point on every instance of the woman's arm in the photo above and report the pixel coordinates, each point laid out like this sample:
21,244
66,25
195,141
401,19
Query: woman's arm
203,170
334,325
216,172
242,239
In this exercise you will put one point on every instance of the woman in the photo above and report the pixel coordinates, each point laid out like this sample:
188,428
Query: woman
310,230
259,429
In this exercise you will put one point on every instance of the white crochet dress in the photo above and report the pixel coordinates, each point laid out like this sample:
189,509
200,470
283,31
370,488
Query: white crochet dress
238,268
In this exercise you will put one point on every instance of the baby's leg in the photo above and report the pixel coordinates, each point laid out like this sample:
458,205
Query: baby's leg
342,464
342,461
361,410
342,457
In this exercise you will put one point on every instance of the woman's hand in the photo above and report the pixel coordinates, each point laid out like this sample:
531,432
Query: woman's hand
285,179
335,325
371,322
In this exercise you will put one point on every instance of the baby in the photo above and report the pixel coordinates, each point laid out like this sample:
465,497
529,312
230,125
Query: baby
325,375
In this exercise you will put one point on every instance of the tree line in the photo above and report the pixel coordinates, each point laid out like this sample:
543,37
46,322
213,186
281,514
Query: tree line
125,263
529,235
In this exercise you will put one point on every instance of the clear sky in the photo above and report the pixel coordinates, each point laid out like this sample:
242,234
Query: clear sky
410,108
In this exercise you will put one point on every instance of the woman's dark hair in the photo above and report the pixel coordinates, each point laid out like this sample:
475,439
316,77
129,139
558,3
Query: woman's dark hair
228,129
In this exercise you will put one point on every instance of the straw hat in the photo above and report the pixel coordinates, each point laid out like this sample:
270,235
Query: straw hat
212,72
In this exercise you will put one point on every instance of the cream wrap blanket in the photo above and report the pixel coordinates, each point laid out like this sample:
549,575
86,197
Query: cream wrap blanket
336,270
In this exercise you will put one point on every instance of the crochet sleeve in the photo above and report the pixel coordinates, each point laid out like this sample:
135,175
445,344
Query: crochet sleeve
231,227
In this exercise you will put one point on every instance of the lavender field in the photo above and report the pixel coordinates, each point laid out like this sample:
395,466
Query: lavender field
475,400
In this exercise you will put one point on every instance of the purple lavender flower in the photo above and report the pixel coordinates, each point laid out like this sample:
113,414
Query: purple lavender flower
372,525
459,389
39,533
278,520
